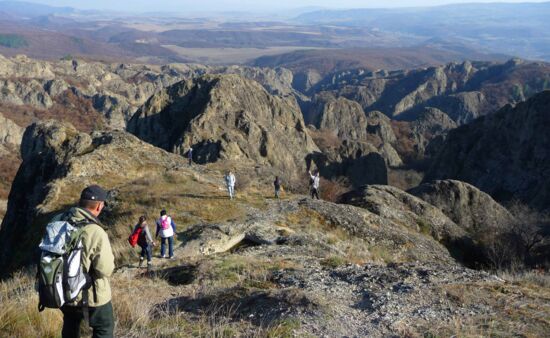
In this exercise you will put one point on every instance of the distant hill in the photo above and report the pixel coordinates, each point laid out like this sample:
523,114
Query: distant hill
325,61
31,10
521,29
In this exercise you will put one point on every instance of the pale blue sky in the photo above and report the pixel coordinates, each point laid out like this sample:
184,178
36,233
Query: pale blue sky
244,5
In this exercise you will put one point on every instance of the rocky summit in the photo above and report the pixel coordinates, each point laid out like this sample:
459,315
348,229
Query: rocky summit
226,117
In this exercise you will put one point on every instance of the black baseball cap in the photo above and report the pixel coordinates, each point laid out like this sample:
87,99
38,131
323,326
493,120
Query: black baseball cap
94,193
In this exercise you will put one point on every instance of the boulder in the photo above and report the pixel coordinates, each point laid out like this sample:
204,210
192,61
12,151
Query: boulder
396,205
463,203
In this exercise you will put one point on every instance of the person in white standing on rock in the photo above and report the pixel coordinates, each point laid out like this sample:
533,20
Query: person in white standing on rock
230,181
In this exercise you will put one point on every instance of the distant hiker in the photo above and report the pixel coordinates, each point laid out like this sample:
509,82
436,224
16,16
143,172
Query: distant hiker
190,156
277,186
230,183
167,228
75,266
314,182
145,240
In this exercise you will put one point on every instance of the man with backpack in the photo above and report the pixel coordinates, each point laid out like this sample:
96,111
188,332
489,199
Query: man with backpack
166,228
82,290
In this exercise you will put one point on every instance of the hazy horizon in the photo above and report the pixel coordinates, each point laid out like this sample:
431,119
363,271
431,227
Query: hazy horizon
249,5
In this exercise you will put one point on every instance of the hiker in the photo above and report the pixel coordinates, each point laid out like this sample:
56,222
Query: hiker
314,182
167,228
230,183
97,261
145,241
190,156
277,186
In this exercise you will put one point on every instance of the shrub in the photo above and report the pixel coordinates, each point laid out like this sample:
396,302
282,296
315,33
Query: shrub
332,190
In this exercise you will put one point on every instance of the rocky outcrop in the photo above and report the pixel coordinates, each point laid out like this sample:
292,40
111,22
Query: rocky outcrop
58,162
431,124
380,125
464,91
466,205
401,207
361,133
505,154
344,117
225,117
115,91
10,134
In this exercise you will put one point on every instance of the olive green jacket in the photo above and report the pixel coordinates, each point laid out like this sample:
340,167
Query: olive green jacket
97,257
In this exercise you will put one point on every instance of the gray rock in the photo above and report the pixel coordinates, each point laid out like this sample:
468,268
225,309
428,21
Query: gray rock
466,205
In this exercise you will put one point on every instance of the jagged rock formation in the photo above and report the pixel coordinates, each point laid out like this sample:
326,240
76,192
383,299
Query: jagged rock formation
505,154
58,161
466,205
380,125
361,133
463,91
344,117
226,117
113,91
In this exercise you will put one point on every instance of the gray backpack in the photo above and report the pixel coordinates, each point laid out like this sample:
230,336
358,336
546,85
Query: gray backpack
60,275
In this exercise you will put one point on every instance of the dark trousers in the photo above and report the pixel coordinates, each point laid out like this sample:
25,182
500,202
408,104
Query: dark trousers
170,246
102,321
190,161
314,193
146,251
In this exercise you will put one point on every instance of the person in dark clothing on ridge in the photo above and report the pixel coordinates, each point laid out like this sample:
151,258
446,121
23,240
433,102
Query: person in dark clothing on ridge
277,186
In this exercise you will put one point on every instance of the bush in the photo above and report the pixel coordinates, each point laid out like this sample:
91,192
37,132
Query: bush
332,190
522,243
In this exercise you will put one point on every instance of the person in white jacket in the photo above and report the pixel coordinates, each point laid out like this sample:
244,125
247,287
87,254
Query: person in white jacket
230,183
166,228
315,181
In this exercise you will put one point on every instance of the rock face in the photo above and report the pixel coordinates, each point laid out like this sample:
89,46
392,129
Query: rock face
399,206
505,154
466,205
10,134
344,117
225,117
58,162
463,91
431,124
359,133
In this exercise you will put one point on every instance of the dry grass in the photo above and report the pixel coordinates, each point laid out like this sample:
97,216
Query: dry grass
9,164
519,309
19,316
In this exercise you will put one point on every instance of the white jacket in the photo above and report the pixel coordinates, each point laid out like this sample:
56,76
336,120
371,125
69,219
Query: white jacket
168,232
